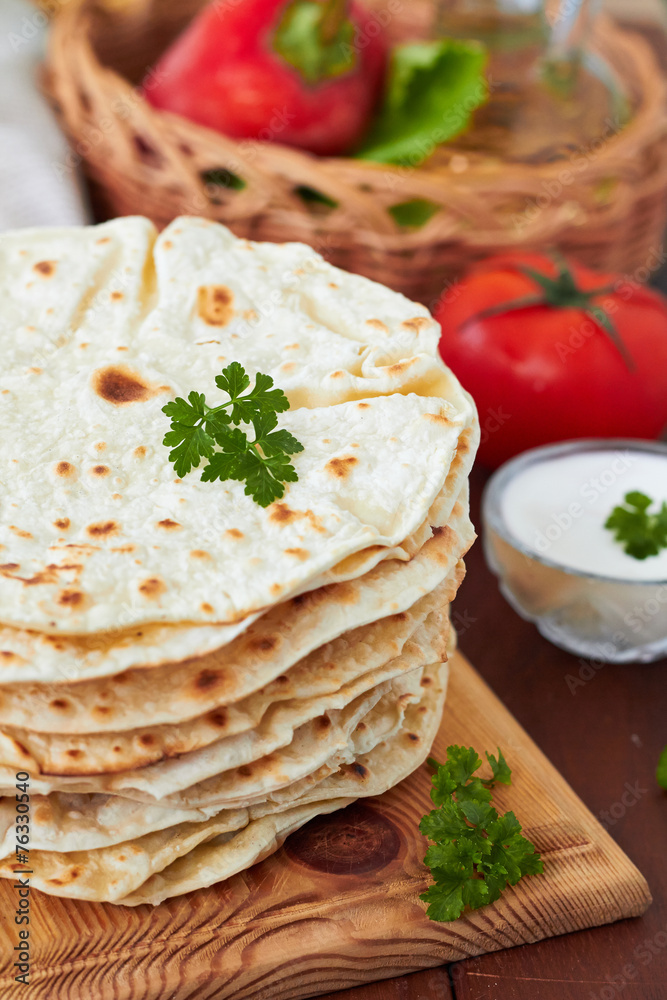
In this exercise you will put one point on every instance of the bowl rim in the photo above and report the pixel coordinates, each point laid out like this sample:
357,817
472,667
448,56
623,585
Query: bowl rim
492,516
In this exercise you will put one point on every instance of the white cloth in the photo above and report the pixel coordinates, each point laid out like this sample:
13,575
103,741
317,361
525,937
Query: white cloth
39,185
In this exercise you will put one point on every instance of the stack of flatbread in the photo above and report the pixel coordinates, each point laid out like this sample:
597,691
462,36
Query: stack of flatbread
187,677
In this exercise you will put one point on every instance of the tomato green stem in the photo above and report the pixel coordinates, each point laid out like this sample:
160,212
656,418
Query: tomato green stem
562,292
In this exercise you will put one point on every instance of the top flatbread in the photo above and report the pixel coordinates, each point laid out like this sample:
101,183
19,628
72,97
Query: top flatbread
99,328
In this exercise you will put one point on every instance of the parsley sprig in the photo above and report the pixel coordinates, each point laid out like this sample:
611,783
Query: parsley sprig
200,431
640,533
476,852
661,770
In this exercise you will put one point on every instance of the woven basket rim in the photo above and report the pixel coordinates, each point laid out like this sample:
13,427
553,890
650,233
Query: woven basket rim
374,228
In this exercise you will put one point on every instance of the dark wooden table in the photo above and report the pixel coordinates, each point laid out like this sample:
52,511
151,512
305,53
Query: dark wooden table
604,737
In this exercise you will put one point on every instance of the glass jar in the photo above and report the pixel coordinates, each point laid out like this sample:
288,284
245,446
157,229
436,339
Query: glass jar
549,93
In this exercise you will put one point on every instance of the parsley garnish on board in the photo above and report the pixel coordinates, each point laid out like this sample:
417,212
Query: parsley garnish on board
661,770
475,852
641,534
200,431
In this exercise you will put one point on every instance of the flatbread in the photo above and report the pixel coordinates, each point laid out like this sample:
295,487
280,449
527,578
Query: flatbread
284,636
101,533
29,656
292,739
193,855
347,660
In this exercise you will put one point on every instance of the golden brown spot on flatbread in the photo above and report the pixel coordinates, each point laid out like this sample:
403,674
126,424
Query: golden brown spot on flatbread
140,451
426,682
363,406
219,718
361,728
124,548
199,554
207,608
59,704
412,737
100,470
340,468
101,710
35,371
103,529
323,722
207,679
170,525
283,679
281,514
19,531
377,324
234,533
10,567
288,366
117,296
337,374
104,239
121,385
291,347
71,598
437,418
359,770
245,771
152,588
214,304
146,740
66,470
301,554
265,644
417,324
276,588
45,267
100,446
332,284
401,366
74,753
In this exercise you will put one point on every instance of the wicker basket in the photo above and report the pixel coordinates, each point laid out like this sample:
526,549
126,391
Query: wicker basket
611,214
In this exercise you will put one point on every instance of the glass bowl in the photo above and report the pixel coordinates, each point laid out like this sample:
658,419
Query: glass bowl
598,617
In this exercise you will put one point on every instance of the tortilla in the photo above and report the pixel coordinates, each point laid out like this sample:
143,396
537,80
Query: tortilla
102,533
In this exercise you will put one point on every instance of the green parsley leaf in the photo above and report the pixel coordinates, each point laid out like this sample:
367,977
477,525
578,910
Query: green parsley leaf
640,533
433,89
661,770
475,852
199,431
501,771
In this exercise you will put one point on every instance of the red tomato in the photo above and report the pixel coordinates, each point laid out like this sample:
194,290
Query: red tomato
550,372
223,72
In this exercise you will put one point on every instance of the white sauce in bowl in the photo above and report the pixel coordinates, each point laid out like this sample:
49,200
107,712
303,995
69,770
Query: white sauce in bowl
558,508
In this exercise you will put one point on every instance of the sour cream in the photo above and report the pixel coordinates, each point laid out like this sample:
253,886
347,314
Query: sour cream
558,566
559,507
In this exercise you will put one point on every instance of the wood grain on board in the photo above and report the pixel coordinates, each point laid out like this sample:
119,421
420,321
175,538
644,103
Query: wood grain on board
338,905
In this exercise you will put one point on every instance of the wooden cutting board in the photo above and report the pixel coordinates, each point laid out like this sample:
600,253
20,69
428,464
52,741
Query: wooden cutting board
338,904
